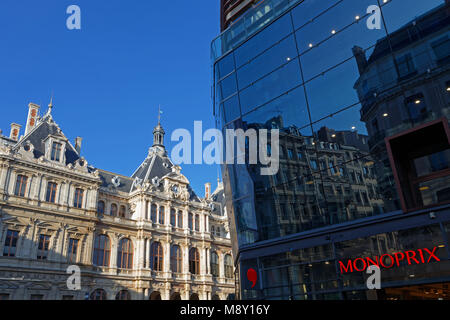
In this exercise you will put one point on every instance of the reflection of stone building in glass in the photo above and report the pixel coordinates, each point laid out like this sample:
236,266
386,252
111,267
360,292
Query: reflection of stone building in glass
319,182
404,88
141,237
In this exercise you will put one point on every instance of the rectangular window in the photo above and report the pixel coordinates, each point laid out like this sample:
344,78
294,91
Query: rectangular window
56,151
9,249
44,243
313,164
21,186
405,65
51,192
37,297
78,201
67,298
441,48
73,249
299,156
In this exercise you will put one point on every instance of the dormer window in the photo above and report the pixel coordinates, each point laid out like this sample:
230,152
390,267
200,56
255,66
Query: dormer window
56,151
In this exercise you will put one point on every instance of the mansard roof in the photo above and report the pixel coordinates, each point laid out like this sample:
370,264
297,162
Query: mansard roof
37,136
115,181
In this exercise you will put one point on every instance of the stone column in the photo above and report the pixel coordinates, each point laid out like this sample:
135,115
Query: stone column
185,250
12,181
89,246
36,186
167,257
208,260
149,243
221,265
114,246
4,168
43,188
141,248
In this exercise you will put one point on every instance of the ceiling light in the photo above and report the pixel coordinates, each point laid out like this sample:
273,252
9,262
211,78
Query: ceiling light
441,246
310,45
333,136
353,128
333,31
385,115
424,188
448,88
357,17
418,101
288,59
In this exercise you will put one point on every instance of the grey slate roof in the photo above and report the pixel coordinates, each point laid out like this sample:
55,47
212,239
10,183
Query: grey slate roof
107,177
37,136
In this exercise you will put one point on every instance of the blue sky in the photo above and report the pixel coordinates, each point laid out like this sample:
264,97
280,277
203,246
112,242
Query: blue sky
109,77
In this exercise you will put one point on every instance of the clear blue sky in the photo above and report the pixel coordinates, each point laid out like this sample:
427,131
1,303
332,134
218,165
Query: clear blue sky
109,77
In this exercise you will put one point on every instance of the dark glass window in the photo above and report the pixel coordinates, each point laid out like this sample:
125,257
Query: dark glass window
125,254
194,261
102,251
441,48
228,266
432,163
176,259
98,294
122,212
101,207
417,107
161,214
153,211
9,249
180,219
405,65
51,192
37,297
113,211
157,256
43,247
73,250
78,200
56,151
21,186
123,295
214,264
197,222
173,217
191,221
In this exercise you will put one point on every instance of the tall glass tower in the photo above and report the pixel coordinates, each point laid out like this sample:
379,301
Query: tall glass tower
360,93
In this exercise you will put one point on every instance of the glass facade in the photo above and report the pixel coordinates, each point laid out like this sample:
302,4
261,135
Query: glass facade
336,78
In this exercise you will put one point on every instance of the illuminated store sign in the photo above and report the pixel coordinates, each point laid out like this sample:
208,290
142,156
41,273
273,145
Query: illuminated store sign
388,260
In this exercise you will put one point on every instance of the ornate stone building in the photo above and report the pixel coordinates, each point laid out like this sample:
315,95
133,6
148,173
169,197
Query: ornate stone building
148,236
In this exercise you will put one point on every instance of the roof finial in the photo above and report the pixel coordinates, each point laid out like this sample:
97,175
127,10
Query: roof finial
50,106
159,115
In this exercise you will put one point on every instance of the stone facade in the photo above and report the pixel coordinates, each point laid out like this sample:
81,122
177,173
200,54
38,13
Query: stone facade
55,208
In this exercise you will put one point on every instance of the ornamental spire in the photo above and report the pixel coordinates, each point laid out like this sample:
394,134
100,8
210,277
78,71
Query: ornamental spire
158,132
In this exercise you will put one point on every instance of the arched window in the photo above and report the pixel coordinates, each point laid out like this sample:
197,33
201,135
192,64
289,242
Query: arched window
194,261
113,212
153,213
175,296
215,297
157,256
98,294
197,222
51,192
191,221
155,296
102,251
228,267
214,264
161,214
125,254
175,259
122,211
173,217
123,295
21,185
101,207
180,219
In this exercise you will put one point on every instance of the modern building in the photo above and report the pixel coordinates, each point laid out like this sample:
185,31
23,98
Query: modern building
148,236
292,66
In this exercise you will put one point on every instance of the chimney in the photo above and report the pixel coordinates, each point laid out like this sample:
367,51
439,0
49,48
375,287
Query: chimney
207,190
33,110
360,57
15,130
78,141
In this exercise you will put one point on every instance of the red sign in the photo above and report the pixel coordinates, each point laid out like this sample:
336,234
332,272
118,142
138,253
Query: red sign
361,264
